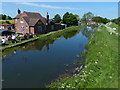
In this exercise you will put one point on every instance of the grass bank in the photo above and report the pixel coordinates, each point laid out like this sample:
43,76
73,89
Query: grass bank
101,65
49,36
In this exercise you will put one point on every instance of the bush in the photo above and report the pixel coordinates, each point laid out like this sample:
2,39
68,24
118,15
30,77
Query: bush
7,22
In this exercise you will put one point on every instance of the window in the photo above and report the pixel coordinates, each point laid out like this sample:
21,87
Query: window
45,27
22,28
39,28
52,27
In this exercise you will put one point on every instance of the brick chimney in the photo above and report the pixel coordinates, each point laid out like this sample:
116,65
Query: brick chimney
19,11
47,18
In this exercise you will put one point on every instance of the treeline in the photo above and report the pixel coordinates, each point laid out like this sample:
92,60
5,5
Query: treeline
117,20
5,17
73,19
68,18
105,20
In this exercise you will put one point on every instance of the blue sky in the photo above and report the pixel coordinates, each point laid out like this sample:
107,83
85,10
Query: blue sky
104,9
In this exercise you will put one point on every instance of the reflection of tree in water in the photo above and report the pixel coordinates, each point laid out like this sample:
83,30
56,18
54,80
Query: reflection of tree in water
70,34
38,45
9,50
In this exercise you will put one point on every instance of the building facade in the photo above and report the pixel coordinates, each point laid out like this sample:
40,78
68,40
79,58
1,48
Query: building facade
34,23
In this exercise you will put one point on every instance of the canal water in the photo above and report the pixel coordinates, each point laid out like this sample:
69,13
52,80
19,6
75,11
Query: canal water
37,63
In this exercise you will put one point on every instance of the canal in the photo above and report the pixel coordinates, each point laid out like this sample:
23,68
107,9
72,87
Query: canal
37,63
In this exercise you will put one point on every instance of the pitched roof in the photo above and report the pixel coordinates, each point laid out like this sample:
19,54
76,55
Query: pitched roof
31,18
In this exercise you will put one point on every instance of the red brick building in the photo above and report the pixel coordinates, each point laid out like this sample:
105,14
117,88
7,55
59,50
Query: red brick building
34,23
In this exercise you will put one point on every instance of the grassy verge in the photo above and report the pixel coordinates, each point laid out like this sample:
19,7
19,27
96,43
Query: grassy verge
49,36
101,66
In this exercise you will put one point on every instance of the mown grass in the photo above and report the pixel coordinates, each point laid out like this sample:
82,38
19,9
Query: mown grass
49,36
101,66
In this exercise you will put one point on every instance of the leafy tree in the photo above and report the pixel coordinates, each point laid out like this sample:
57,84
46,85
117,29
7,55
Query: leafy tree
61,21
0,16
87,17
99,19
57,18
4,17
8,22
70,19
117,20
8,18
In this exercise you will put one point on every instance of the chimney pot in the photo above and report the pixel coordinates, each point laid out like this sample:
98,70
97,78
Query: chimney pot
19,11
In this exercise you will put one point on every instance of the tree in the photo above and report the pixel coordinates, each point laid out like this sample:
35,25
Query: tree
8,18
87,17
99,19
57,18
4,17
70,19
117,20
7,22
0,16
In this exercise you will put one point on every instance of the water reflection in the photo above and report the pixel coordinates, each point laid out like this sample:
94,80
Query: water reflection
70,34
39,44
35,64
86,31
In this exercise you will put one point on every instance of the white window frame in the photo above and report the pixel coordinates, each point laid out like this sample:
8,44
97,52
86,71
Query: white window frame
22,28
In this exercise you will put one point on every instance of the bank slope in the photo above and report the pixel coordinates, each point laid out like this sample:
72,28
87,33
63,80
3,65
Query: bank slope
101,66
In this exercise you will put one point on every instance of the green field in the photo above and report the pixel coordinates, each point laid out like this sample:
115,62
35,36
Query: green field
101,64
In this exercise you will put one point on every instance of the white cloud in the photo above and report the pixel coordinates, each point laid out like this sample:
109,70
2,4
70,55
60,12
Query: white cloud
45,6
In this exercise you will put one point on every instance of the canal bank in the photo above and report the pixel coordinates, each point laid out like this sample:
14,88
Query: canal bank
101,64
50,35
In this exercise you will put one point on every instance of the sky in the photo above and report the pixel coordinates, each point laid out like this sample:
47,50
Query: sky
104,9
